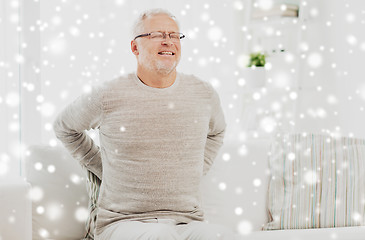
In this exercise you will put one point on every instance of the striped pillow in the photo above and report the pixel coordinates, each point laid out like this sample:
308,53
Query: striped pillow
316,182
93,188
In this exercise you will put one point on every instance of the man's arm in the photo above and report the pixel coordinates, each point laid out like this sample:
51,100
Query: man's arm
217,126
84,113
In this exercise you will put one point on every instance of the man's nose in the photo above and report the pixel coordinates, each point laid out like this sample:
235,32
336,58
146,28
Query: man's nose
167,41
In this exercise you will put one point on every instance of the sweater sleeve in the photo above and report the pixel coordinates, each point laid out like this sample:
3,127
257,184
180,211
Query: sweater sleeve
217,126
84,113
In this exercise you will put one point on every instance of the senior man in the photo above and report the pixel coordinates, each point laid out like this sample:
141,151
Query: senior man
160,131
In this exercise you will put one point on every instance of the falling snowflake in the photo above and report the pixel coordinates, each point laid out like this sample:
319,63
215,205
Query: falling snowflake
76,179
51,168
244,227
47,109
238,211
257,182
36,194
215,34
222,186
54,211
43,233
38,166
264,4
12,99
226,157
57,46
310,177
291,156
81,214
40,210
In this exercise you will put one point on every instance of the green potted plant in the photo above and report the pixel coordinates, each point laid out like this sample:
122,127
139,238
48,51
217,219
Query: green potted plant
255,72
257,59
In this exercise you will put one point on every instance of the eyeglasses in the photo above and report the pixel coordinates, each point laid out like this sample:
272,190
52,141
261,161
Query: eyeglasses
159,36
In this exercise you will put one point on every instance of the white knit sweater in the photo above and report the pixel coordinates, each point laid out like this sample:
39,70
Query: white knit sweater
155,145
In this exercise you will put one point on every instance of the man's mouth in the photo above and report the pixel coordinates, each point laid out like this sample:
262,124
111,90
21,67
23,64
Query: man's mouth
166,53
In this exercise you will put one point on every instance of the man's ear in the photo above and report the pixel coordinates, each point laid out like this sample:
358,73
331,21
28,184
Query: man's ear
134,47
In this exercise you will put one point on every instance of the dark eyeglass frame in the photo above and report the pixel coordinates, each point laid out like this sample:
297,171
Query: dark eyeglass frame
164,35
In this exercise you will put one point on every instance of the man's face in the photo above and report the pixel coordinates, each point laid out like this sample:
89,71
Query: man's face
151,54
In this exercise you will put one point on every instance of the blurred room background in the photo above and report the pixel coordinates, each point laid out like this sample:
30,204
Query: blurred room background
53,51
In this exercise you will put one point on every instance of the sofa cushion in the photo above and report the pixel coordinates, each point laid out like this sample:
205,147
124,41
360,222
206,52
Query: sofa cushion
317,181
93,189
234,190
59,196
338,233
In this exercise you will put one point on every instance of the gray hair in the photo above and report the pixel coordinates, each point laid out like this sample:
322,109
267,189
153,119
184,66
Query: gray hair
138,26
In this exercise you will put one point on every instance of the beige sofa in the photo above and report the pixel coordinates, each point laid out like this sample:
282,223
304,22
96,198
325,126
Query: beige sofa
234,194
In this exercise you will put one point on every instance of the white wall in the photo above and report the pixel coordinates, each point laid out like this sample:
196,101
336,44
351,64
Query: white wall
327,47
330,36
9,91
349,40
70,45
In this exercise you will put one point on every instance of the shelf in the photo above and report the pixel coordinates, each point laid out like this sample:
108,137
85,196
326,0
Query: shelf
276,15
274,34
277,20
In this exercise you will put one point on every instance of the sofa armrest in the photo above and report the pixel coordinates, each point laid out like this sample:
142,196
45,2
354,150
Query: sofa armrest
15,209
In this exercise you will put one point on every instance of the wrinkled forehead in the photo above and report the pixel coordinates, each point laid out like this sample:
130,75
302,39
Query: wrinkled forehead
160,23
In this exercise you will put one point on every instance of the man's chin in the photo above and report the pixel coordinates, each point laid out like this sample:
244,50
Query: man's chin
165,70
